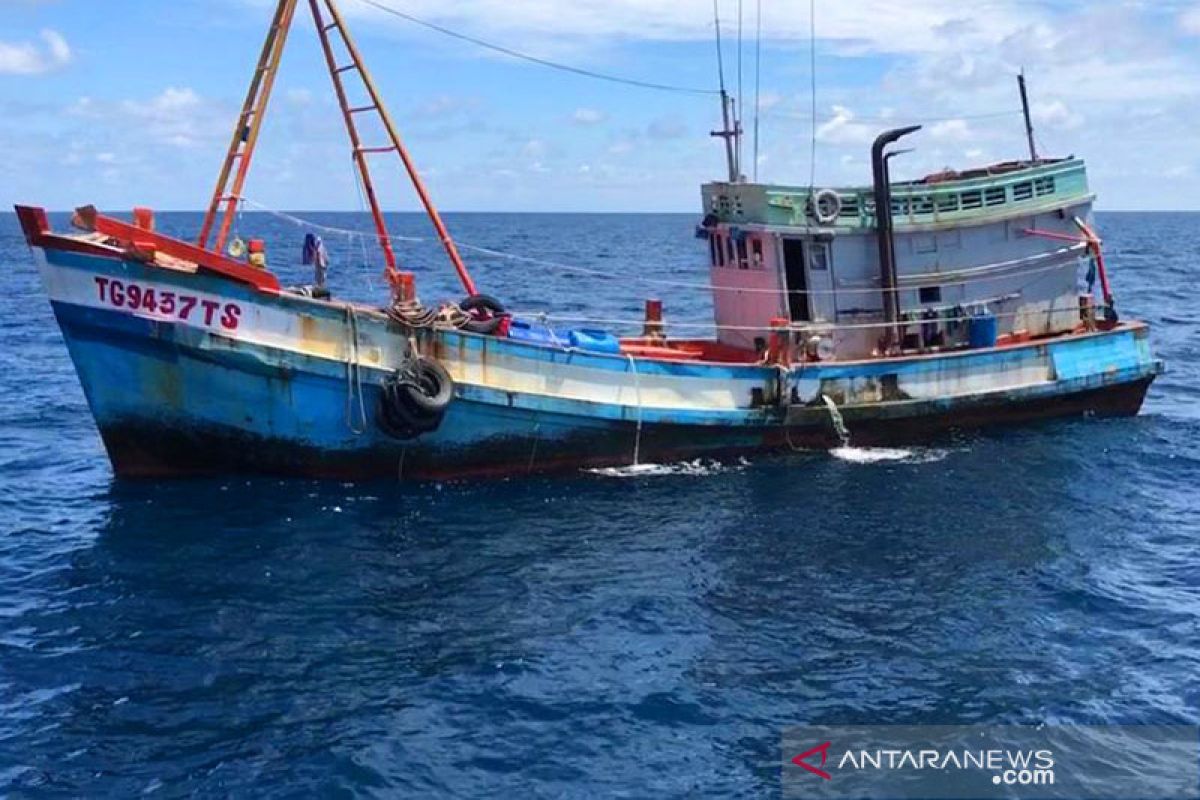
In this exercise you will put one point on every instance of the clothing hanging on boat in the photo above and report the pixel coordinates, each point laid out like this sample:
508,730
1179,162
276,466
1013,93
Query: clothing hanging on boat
315,255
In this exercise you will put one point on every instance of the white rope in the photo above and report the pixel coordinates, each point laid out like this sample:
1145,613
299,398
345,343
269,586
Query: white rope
811,326
354,378
637,385
912,281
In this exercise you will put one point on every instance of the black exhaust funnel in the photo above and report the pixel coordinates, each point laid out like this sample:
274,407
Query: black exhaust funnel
883,226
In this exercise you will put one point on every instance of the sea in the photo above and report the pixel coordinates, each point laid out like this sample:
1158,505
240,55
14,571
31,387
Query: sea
645,632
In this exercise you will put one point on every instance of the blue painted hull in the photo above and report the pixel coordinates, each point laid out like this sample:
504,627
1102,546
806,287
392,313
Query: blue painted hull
273,393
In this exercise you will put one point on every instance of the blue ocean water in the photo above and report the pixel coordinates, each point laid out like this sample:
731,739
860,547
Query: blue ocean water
587,634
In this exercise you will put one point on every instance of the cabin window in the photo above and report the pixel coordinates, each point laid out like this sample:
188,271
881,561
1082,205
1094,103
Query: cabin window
994,196
930,294
743,259
1043,186
947,203
972,200
849,207
922,205
1022,191
818,258
901,206
756,249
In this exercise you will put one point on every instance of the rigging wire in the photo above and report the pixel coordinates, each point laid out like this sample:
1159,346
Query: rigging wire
545,62
740,109
812,70
757,78
720,55
946,276
781,114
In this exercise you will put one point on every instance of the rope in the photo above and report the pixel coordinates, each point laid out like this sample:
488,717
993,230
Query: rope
912,282
544,62
753,290
809,118
637,385
569,268
304,223
354,378
807,326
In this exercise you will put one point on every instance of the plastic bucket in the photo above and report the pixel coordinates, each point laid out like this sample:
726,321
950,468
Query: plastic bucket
982,331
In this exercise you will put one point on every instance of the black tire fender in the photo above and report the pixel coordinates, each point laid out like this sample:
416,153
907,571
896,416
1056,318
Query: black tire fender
486,313
482,302
427,388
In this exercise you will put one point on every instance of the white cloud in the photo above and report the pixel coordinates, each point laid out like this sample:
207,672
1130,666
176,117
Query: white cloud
29,58
955,130
588,116
1189,20
177,117
1056,114
842,129
300,97
855,26
669,127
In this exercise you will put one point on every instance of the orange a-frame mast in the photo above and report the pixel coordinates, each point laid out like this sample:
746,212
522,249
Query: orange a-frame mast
246,134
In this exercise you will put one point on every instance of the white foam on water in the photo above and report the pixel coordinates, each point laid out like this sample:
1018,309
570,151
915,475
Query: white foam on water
875,455
697,468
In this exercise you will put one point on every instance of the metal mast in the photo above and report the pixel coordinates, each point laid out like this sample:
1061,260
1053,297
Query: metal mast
245,133
356,64
1033,154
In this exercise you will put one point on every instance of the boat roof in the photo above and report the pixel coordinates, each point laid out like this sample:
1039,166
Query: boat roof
946,198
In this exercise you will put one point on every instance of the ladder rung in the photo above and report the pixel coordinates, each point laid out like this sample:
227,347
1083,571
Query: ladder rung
377,149
361,109
346,68
329,27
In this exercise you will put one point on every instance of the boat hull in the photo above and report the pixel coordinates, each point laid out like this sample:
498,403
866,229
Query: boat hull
260,382
149,449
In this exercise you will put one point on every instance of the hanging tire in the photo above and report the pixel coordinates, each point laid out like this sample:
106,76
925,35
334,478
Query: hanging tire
486,312
427,387
414,401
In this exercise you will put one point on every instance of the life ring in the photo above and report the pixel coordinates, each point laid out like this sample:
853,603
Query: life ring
825,206
414,401
486,312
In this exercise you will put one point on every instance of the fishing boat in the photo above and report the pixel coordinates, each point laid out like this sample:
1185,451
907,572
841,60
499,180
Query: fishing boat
889,313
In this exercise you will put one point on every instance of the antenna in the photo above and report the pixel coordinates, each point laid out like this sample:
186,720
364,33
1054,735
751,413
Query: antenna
740,108
727,133
757,78
1033,154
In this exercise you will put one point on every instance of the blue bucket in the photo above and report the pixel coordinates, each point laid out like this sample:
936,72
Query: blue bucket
982,330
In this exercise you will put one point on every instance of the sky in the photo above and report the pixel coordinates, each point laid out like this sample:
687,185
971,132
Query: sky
132,102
